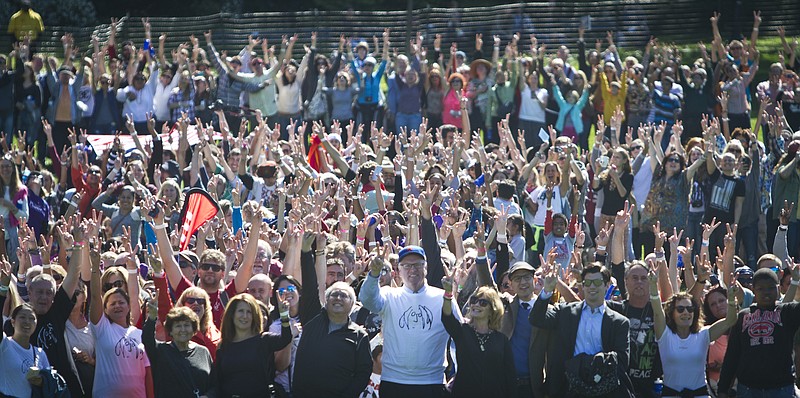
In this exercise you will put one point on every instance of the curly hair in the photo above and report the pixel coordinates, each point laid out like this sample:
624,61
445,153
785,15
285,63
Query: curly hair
669,309
180,314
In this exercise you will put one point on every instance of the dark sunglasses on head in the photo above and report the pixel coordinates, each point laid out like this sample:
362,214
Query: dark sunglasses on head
480,301
681,309
115,284
194,300
213,267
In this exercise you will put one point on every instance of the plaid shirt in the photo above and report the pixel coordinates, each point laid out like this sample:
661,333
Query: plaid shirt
186,103
229,90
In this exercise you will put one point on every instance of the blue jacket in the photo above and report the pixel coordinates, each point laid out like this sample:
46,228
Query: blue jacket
573,110
55,92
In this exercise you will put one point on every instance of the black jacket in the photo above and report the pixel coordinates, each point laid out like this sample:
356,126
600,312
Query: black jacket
565,318
337,364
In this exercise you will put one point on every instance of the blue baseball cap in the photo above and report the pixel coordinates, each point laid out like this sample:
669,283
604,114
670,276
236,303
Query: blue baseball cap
411,250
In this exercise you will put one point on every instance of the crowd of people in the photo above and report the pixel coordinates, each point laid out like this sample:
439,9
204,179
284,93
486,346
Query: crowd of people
421,224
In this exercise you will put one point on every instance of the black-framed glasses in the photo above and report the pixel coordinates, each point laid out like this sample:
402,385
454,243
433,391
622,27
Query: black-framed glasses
409,266
682,308
521,278
112,285
480,301
213,267
194,300
595,282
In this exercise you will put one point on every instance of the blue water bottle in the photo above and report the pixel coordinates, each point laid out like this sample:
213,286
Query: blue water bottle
658,386
680,261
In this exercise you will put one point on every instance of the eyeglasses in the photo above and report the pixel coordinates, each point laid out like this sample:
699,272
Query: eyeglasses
595,282
521,278
95,171
213,267
480,301
290,289
673,160
682,308
111,285
185,264
636,148
194,300
409,266
339,295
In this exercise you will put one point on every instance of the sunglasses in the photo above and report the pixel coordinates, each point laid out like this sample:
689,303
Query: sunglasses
673,160
213,267
185,264
115,284
636,148
595,282
98,172
194,300
480,301
682,308
290,289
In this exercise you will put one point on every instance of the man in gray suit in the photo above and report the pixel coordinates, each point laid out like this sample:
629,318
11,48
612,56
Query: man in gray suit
584,327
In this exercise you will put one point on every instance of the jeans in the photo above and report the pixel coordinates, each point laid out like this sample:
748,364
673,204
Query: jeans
694,230
7,125
410,121
749,237
395,390
742,391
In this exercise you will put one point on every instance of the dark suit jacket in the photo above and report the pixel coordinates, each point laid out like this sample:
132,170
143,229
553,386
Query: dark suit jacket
565,318
540,340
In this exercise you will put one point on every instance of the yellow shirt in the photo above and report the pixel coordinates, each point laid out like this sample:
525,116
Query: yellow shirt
611,101
25,23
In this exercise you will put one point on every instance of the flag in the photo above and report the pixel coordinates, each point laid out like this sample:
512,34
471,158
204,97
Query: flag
198,207
313,153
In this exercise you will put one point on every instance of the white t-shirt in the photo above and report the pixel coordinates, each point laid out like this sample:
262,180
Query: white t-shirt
83,338
530,109
14,364
684,360
539,197
121,360
641,183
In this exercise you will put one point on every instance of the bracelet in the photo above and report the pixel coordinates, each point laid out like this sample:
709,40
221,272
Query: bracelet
21,277
160,226
46,266
344,231
319,252
133,271
373,244
579,247
442,242
159,274
448,295
783,227
705,243
655,297
285,316
360,239
601,248
659,254
481,258
73,204
795,283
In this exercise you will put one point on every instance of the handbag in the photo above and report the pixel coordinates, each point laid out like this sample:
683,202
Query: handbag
593,375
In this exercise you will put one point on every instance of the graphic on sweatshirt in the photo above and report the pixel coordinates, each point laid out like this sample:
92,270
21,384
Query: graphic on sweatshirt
416,317
760,325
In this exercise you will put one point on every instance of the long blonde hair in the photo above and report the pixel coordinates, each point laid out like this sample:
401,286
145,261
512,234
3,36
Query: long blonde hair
496,315
206,319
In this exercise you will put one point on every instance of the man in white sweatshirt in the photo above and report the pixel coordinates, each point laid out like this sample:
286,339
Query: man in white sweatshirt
413,334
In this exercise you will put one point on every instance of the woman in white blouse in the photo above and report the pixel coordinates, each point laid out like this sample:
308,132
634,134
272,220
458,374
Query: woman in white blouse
683,340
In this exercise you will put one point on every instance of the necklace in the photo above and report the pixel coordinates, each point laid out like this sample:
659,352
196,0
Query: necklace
482,338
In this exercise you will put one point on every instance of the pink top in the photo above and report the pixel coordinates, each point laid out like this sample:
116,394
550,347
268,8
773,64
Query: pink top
451,102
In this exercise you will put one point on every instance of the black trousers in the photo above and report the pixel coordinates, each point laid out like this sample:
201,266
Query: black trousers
394,390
